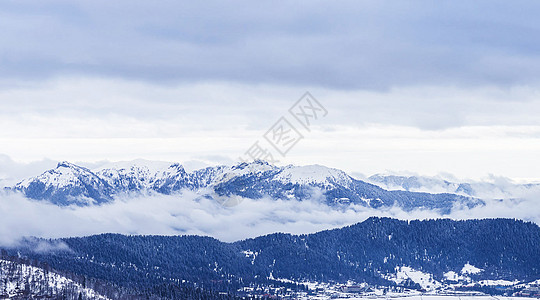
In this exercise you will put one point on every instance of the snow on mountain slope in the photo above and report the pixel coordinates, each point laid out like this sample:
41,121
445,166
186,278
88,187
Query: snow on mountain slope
70,184
66,184
143,175
23,281
404,273
454,276
65,174
133,177
174,178
470,269
314,174
256,168
210,176
150,166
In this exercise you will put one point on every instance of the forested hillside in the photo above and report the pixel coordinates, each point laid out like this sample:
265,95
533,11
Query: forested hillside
370,252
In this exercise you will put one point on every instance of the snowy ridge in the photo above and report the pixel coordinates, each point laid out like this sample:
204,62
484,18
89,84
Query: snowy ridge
148,166
141,173
69,184
256,168
65,174
314,174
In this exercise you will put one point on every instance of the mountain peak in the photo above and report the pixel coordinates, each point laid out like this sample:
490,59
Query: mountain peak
313,174
255,163
67,184
67,164
175,168
256,166
262,162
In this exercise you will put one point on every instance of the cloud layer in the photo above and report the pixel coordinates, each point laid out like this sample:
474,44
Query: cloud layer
190,214
351,44
468,132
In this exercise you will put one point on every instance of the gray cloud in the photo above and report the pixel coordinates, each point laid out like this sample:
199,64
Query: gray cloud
89,107
351,44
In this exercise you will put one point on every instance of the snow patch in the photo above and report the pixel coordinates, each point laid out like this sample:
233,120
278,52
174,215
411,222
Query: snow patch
425,280
470,269
453,276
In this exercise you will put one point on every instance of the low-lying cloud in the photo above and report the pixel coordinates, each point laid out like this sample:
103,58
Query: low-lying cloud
188,213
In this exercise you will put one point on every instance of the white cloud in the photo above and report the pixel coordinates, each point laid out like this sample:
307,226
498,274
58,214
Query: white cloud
12,171
190,214
469,132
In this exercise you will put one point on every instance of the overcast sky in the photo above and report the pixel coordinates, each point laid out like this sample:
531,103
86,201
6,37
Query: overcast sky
422,86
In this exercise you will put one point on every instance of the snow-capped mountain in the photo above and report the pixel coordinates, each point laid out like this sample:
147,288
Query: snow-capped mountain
71,184
66,184
495,188
315,174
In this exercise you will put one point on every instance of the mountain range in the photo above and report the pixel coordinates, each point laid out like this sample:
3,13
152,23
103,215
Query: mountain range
70,184
494,188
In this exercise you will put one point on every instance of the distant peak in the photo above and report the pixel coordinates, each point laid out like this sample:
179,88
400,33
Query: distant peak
261,162
240,166
66,164
177,167
257,162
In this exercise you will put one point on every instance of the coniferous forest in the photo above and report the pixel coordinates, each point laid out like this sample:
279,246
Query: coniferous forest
196,267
